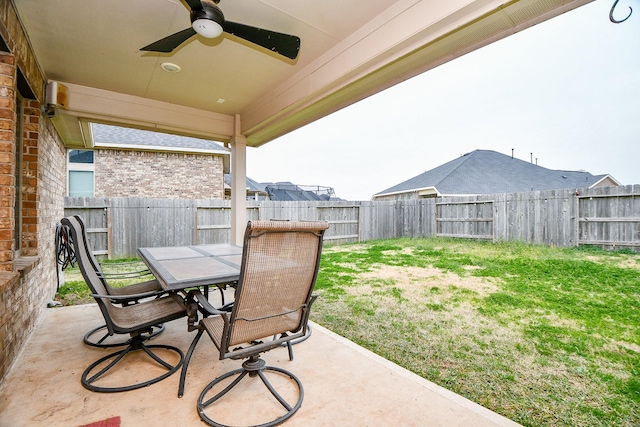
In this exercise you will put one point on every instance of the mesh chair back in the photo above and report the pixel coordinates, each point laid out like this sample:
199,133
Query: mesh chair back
87,268
280,263
92,258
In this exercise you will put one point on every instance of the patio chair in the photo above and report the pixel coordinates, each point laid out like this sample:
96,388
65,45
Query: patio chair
134,320
280,262
130,294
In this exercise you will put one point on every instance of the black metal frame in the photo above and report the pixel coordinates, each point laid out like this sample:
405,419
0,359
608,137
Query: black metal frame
291,343
155,331
135,343
255,367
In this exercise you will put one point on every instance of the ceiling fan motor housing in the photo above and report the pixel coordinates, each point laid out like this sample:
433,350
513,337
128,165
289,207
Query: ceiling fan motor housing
209,12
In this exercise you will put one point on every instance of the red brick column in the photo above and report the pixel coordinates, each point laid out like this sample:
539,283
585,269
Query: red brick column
7,159
30,177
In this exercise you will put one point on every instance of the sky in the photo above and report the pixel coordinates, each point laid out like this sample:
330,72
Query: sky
565,93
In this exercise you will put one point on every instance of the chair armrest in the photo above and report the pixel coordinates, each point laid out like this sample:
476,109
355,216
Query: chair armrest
307,312
195,302
203,302
125,275
128,297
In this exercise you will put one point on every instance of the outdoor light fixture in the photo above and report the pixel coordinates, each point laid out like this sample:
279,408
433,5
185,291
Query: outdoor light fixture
207,22
170,67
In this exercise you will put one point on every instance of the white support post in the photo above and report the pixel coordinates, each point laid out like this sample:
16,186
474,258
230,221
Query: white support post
238,184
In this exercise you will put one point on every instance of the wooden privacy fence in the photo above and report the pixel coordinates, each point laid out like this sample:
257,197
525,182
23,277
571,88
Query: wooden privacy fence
471,219
607,216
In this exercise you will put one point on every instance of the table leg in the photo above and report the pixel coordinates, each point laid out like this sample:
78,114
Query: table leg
185,364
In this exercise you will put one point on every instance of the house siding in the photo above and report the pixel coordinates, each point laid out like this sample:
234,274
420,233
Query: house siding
27,282
125,173
607,182
412,195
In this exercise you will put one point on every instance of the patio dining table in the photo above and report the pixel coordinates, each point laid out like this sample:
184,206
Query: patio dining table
182,267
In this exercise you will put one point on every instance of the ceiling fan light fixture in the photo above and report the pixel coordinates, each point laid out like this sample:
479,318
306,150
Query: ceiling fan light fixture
207,28
208,21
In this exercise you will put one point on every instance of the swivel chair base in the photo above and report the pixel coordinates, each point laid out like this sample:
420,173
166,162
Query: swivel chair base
103,343
135,343
254,366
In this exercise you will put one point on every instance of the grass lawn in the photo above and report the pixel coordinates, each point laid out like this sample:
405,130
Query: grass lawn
75,291
543,336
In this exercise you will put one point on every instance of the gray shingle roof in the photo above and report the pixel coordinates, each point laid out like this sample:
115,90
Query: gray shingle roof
285,191
106,134
488,172
252,185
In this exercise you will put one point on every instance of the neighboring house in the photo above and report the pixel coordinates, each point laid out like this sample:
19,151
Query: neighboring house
255,190
490,172
282,191
136,163
287,191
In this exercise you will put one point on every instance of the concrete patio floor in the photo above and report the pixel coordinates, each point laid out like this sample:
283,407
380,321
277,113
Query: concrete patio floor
344,384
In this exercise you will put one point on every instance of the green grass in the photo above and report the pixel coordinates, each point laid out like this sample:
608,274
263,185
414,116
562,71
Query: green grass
544,336
75,291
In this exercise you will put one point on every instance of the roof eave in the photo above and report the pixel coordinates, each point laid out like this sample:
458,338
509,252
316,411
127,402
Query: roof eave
424,190
595,184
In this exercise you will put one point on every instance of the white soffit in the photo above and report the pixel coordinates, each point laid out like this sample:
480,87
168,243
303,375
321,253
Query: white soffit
337,17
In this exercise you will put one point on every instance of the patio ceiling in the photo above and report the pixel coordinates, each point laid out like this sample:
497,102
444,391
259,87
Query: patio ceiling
349,50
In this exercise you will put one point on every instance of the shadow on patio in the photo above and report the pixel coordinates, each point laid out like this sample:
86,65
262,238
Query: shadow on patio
344,384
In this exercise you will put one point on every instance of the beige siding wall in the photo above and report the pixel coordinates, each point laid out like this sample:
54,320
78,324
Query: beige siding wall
401,196
122,173
607,182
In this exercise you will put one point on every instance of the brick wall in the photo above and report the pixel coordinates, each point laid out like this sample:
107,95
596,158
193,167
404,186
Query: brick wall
7,159
27,282
122,173
30,177
25,291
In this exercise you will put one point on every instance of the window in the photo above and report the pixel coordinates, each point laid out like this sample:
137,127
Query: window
80,166
81,156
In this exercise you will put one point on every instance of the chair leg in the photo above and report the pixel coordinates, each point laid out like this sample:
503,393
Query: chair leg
298,341
136,343
255,367
89,338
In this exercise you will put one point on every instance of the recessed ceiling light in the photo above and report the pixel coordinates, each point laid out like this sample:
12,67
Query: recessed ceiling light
220,101
170,67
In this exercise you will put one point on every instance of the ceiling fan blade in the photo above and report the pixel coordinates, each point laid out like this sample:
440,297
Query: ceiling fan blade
283,44
171,42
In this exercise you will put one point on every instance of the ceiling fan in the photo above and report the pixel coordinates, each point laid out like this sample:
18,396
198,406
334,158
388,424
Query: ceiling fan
208,21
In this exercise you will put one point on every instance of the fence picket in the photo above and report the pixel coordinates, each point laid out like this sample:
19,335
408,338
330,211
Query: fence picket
607,216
